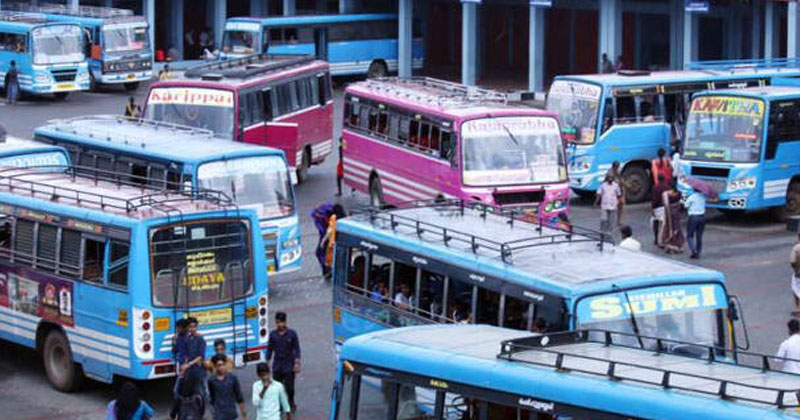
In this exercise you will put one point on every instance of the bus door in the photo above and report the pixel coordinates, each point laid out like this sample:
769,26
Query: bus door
321,43
781,152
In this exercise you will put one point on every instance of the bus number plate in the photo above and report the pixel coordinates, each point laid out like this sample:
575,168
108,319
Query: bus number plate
131,76
65,86
213,316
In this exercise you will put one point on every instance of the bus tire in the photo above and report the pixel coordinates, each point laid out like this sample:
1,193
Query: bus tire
792,206
305,163
376,192
60,96
377,69
584,195
62,372
637,183
131,86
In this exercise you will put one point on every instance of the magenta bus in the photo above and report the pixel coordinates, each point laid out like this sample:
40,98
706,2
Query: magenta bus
283,102
421,138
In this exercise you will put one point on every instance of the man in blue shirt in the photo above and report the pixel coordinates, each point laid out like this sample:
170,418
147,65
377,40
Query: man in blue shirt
224,391
283,348
696,224
195,354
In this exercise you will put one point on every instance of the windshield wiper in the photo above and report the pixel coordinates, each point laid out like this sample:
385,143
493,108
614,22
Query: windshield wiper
631,316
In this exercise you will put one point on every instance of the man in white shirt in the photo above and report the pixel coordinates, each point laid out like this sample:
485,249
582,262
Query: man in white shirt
627,239
790,348
608,196
403,298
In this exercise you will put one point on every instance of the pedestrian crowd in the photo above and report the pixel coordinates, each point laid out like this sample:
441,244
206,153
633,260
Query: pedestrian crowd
210,386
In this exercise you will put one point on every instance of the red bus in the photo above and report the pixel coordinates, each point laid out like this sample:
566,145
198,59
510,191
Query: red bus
283,102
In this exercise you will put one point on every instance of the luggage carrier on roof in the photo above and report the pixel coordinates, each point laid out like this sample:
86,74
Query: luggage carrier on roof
435,91
659,362
68,125
22,17
412,226
733,66
249,66
63,9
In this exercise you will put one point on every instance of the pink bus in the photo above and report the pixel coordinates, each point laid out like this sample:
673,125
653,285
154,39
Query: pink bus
283,102
421,138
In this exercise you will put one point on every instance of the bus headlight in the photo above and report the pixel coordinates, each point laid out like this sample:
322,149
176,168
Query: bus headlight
742,184
83,77
291,243
581,165
288,257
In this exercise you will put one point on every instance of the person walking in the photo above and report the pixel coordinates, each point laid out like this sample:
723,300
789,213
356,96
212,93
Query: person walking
179,351
165,73
617,174
627,241
657,209
320,216
269,396
190,404
132,110
339,171
12,83
128,406
220,349
790,348
283,348
195,355
329,240
224,392
608,196
794,261
673,239
661,166
696,223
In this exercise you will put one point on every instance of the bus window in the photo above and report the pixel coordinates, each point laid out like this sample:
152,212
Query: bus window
380,272
23,241
608,114
404,284
394,127
414,133
459,301
93,256
404,130
425,136
353,111
488,311
431,295
517,314
104,161
5,234
70,258
157,176
14,42
315,87
326,94
304,95
649,108
435,143
363,117
383,122
626,110
46,242
373,120
267,96
357,271
448,147
118,268
86,159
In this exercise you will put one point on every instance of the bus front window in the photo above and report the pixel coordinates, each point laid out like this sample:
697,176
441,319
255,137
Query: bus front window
512,151
262,182
119,38
576,104
58,44
201,263
210,109
724,129
240,42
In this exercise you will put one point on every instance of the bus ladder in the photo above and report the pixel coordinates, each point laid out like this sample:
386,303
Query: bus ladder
238,308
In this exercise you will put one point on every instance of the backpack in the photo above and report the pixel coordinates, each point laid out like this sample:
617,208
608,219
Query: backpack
191,408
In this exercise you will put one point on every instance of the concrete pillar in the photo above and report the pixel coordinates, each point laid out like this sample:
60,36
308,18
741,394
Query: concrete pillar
536,50
220,16
637,41
769,30
755,31
347,6
73,4
321,7
689,38
572,46
732,42
108,3
149,8
405,39
610,30
176,26
791,30
289,7
469,44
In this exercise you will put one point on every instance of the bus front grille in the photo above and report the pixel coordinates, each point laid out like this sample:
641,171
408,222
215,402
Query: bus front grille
66,75
527,197
713,172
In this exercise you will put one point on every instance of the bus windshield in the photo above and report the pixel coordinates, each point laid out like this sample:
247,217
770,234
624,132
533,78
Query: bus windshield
201,263
261,181
512,150
119,38
685,313
724,129
576,104
211,109
58,44
240,42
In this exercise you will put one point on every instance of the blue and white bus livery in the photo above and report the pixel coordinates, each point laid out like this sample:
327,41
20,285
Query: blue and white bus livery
174,157
94,274
21,153
50,57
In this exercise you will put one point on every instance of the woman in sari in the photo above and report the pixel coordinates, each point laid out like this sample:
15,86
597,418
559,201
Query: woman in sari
672,234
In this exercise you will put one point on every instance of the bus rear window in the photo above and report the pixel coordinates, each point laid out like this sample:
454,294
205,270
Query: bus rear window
200,263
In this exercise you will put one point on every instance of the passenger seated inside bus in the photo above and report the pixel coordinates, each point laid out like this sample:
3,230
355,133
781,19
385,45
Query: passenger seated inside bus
380,293
431,294
404,299
459,313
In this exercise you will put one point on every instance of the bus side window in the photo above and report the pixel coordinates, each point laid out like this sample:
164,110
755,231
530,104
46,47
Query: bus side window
517,313
648,108
404,130
314,82
459,301
86,159
356,271
256,108
23,241
405,282
414,133
266,98
425,136
363,117
70,258
383,122
46,241
488,311
380,271
93,256
290,35
304,93
275,36
157,176
431,295
394,127
608,114
435,140
294,101
174,180
6,231
626,110
325,90
104,162
448,148
118,268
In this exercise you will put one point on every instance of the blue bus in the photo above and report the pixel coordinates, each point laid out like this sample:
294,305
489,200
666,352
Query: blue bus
627,116
448,262
94,274
363,44
21,153
746,144
480,372
50,57
176,157
119,42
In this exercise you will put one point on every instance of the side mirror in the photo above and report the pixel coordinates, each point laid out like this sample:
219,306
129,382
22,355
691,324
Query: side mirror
736,316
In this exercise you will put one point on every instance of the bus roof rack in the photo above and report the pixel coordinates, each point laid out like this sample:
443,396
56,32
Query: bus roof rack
17,179
68,125
692,367
22,17
389,218
745,64
435,91
249,66
64,9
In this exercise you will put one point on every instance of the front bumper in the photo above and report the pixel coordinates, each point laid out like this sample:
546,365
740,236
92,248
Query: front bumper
126,77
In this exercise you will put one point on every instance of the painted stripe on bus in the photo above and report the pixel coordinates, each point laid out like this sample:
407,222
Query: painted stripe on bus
776,188
18,331
73,338
394,177
92,354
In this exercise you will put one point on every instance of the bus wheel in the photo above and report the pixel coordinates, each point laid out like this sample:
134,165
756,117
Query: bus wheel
584,195
637,184
376,192
61,371
792,206
131,86
302,170
377,69
60,96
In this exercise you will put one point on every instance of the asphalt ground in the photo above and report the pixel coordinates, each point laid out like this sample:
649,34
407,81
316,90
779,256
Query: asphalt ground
751,250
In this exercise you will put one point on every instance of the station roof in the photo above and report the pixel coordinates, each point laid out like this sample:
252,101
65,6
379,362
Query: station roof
303,20
155,139
549,260
519,362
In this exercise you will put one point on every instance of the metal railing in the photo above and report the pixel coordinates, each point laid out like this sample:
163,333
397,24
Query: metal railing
435,91
68,125
248,66
65,9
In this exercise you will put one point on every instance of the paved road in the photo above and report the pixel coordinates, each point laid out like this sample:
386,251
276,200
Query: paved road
752,251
